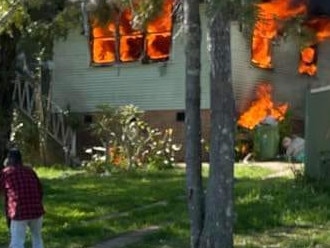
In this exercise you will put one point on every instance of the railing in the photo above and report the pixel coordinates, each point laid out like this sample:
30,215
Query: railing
55,121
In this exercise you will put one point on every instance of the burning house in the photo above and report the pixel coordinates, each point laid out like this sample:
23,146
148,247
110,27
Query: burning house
314,28
120,65
278,22
262,120
262,108
149,45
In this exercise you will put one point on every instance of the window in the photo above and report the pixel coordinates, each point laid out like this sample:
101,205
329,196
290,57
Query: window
308,60
269,26
118,42
88,119
180,116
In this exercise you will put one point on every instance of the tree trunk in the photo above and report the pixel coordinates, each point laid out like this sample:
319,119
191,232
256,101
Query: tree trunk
7,73
192,119
218,223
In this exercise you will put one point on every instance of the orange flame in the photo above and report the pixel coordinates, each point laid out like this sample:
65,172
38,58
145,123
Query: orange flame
307,63
262,107
321,25
130,43
308,55
270,16
103,45
159,33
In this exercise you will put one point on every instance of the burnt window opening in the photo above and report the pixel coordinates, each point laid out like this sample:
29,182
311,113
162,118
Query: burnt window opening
269,26
308,60
261,55
119,42
88,119
180,116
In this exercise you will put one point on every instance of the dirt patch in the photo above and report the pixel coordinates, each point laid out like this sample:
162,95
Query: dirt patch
128,238
280,168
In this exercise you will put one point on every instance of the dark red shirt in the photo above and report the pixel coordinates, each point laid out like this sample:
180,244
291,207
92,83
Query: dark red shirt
23,193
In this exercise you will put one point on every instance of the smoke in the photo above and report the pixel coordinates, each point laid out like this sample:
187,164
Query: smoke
319,7
315,7
295,3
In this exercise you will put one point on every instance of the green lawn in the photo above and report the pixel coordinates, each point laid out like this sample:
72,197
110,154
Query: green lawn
84,209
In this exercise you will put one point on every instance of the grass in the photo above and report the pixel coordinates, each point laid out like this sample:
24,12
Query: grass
84,209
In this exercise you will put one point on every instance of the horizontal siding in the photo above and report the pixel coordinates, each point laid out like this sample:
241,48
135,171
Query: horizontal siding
241,69
288,85
160,86
156,86
153,86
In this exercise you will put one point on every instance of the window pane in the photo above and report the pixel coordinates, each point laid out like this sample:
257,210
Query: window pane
308,61
103,50
103,44
102,32
163,22
131,47
158,45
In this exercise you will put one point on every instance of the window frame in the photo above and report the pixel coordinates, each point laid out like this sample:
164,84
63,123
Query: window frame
143,58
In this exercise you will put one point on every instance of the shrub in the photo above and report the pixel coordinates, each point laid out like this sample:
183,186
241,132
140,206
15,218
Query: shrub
129,142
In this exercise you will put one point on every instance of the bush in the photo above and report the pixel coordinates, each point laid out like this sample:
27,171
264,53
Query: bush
129,142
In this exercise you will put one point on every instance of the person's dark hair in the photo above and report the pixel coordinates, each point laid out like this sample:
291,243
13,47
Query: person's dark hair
14,157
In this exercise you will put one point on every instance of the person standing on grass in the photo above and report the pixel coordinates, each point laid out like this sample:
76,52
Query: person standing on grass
23,204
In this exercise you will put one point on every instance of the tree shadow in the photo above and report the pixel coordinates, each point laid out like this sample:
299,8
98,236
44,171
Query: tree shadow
278,202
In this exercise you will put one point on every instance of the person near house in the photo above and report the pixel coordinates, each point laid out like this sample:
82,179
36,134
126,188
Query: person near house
22,191
294,148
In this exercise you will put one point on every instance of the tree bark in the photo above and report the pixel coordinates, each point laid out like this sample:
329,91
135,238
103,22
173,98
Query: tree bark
192,30
8,43
218,222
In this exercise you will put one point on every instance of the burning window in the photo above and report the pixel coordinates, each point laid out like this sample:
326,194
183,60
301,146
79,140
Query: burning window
272,14
261,108
318,29
308,60
120,42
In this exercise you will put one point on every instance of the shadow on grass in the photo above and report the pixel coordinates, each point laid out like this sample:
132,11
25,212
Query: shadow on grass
73,203
264,204
276,209
274,212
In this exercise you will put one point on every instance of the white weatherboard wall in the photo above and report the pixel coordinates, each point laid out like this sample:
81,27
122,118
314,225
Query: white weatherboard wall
155,86
288,85
161,86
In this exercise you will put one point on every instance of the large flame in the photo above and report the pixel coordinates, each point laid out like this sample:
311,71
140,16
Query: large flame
128,44
159,33
271,14
262,107
321,26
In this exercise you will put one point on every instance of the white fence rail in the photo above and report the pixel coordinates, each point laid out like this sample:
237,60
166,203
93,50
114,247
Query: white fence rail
55,119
